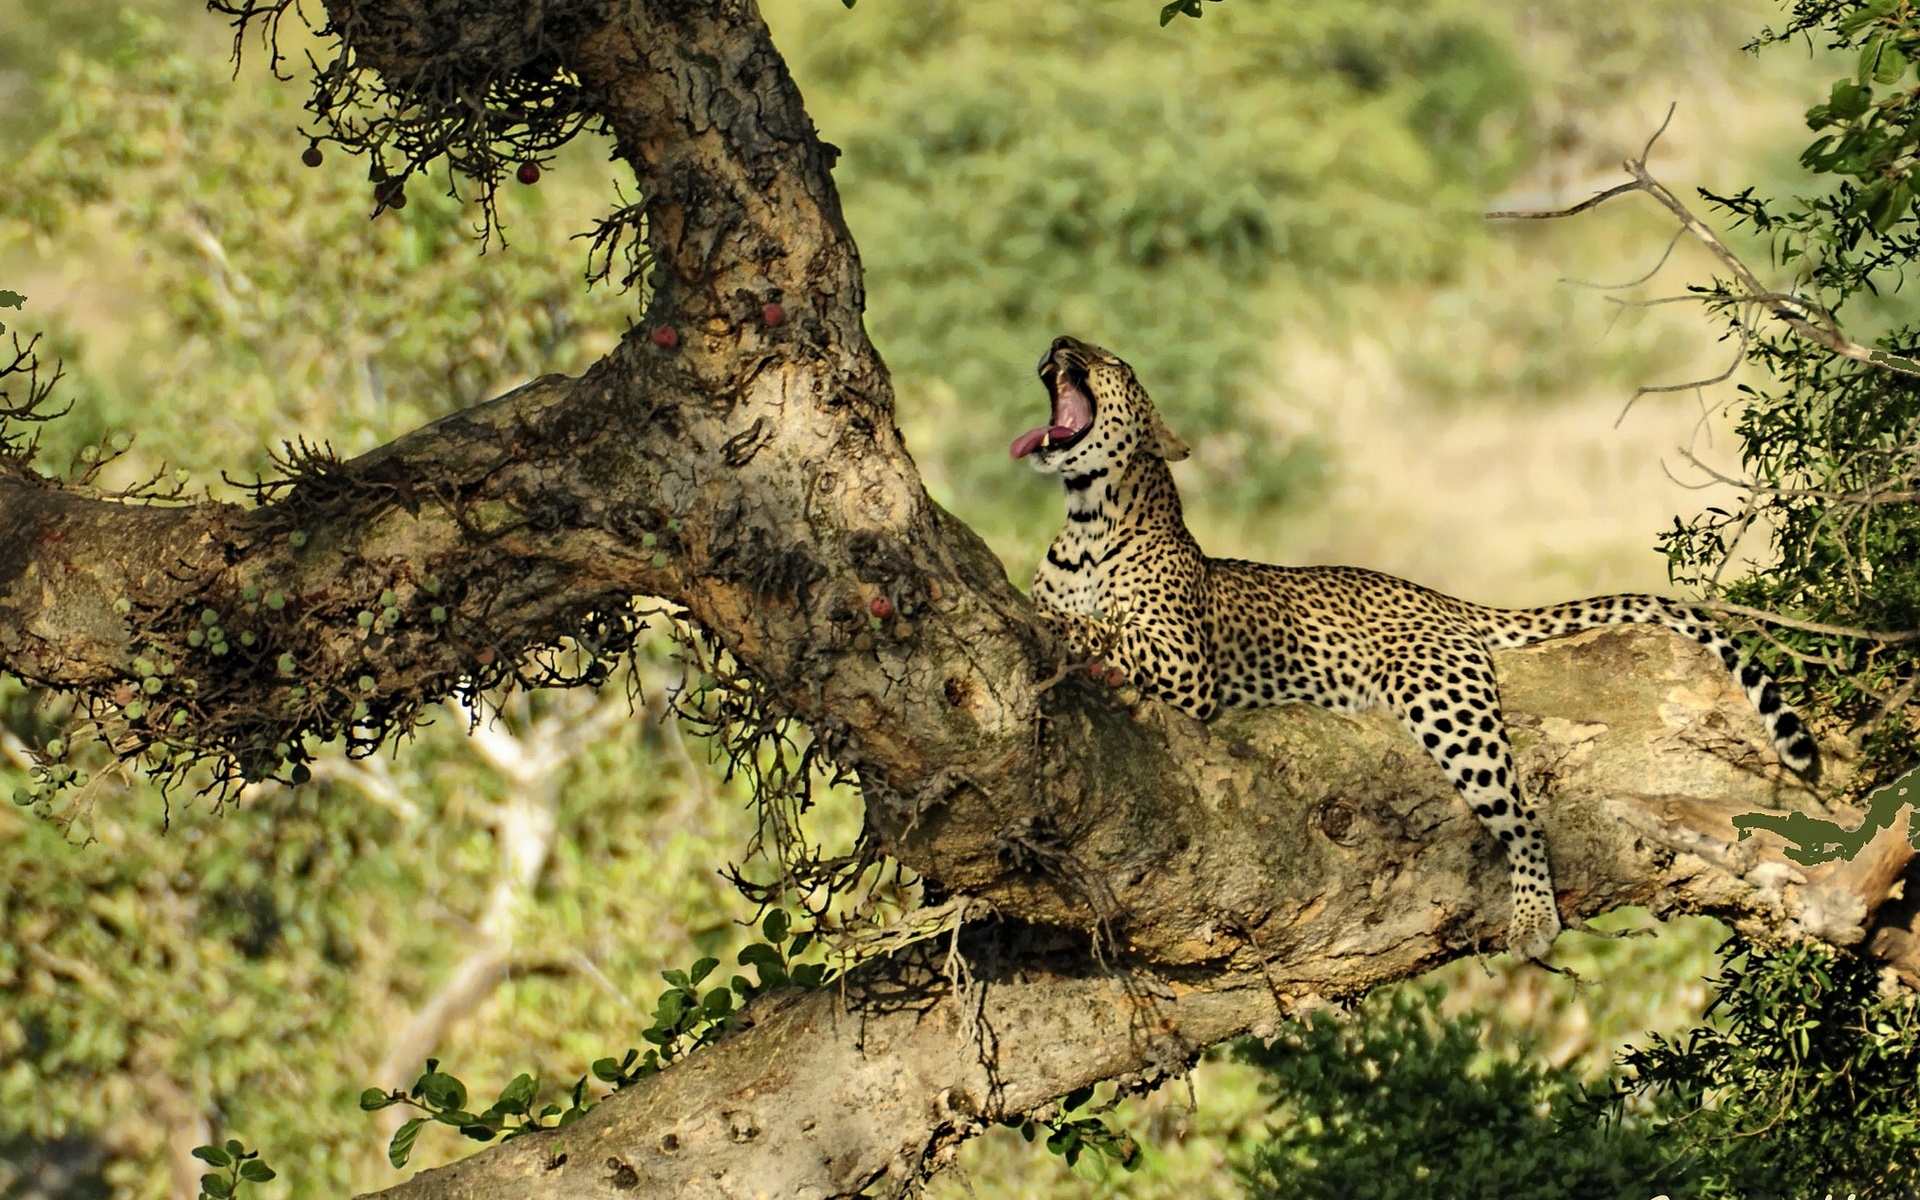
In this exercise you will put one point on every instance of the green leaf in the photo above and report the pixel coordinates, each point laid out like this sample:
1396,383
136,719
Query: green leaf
401,1147
606,1070
809,975
255,1171
702,968
455,1117
671,1005
719,1003
215,1186
774,927
1849,100
374,1099
757,954
214,1155
441,1091
518,1095
11,299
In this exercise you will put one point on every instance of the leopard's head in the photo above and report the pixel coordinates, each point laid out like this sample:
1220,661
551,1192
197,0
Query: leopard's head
1101,415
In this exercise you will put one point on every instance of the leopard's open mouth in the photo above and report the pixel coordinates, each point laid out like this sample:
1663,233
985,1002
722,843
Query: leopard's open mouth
1072,412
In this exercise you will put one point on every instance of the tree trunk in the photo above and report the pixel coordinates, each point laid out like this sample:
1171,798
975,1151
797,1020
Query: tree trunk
1156,884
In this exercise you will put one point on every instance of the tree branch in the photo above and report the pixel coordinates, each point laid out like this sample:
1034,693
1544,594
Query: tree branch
1798,314
1322,856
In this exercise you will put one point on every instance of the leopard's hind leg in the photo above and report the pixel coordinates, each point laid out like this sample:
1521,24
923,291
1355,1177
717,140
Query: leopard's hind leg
1451,705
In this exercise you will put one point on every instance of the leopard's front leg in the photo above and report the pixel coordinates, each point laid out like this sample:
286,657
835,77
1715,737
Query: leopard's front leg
1163,655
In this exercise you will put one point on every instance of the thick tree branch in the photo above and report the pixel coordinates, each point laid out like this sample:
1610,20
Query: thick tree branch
1316,857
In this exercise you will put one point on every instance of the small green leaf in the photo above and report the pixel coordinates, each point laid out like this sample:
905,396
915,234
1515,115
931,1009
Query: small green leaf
213,1155
757,953
774,927
374,1099
518,1096
401,1147
702,968
215,1186
254,1171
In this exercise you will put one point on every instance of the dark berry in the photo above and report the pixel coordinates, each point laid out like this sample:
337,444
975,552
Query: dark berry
772,314
311,156
529,173
881,607
666,336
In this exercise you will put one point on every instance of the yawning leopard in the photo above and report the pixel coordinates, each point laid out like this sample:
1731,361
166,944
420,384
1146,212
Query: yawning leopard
1125,583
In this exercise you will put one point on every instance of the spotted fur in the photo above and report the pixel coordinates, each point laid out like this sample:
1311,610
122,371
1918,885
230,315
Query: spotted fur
1126,584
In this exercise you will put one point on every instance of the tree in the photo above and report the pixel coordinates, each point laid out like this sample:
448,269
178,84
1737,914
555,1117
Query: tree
1157,885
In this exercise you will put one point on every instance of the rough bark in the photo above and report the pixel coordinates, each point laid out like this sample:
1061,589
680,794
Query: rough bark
1158,884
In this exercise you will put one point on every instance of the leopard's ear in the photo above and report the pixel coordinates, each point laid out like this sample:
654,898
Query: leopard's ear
1163,441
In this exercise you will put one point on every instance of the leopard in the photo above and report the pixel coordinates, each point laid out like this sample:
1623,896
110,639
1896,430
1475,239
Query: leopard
1127,590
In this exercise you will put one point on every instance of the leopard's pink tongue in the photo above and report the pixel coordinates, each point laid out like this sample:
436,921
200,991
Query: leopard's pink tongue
1033,439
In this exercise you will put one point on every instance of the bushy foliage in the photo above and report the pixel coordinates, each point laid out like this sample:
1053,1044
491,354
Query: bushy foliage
1399,1101
1829,443
1184,189
1806,1082
263,279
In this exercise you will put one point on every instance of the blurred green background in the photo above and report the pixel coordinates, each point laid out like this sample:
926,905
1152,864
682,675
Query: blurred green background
1273,212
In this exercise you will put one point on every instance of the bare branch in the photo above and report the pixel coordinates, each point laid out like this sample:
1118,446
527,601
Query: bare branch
1885,638
1793,310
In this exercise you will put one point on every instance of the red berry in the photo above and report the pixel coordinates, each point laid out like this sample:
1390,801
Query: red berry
1097,669
529,173
881,607
311,156
772,314
666,336
1115,677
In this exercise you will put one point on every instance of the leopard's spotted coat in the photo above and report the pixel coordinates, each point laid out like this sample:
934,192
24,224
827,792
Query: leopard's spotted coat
1125,583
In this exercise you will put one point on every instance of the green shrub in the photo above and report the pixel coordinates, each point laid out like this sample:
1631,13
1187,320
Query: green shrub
1399,1101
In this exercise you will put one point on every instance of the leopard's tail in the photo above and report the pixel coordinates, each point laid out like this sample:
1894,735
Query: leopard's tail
1506,628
